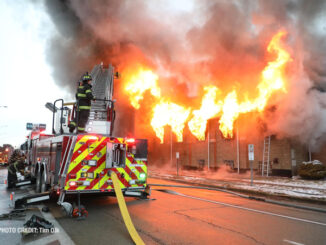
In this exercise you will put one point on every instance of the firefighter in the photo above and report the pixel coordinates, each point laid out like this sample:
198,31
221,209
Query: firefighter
16,164
84,96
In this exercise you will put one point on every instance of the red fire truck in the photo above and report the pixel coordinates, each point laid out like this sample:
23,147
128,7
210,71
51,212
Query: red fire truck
5,152
69,163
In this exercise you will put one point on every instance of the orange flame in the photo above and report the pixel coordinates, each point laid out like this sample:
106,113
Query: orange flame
273,75
138,83
230,113
167,113
229,108
272,80
209,109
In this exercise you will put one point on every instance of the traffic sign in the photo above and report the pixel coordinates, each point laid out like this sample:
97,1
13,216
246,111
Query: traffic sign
29,126
35,126
42,126
251,152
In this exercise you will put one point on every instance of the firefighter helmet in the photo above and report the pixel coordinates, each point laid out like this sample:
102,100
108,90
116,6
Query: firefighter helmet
86,77
16,153
14,156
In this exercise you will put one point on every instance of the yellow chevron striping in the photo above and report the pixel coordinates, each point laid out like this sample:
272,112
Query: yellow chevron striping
121,184
106,178
144,167
83,154
80,142
134,170
98,170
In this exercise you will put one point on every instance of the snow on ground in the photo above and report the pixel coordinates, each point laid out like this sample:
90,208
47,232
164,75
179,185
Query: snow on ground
281,186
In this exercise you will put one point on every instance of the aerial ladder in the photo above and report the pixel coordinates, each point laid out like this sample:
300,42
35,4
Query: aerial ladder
102,114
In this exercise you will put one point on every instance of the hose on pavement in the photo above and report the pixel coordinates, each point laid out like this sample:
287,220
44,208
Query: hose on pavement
124,211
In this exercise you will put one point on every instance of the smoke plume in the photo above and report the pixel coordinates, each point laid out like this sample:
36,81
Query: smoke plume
204,42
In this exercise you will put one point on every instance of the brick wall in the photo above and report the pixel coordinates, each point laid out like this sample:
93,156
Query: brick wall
320,155
193,153
280,153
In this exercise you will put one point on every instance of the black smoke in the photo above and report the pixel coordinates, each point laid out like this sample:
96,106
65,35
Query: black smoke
221,42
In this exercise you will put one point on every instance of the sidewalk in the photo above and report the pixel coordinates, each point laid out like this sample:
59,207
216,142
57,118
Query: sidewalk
291,188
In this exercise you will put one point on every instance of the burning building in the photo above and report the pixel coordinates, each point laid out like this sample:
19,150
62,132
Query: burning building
216,75
278,156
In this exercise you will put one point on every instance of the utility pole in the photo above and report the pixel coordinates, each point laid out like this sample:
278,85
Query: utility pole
238,150
251,160
208,145
171,156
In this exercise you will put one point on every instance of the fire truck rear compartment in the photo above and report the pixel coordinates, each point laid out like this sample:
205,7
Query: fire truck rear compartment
100,157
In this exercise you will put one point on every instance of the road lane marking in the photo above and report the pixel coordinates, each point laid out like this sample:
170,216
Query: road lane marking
248,209
292,242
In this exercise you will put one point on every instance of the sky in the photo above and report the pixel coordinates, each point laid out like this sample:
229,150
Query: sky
26,82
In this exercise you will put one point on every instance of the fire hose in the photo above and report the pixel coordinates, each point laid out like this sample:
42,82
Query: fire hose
124,211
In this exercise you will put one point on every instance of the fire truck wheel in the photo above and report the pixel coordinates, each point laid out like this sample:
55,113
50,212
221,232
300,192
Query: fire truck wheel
38,182
43,183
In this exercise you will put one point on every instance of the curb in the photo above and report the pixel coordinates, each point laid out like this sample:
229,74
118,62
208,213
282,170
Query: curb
228,186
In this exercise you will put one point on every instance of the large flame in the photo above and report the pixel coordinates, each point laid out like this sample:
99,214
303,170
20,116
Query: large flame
167,113
210,108
138,83
272,79
228,109
230,113
273,75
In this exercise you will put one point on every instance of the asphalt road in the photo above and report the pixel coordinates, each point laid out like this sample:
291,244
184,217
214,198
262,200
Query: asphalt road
175,216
